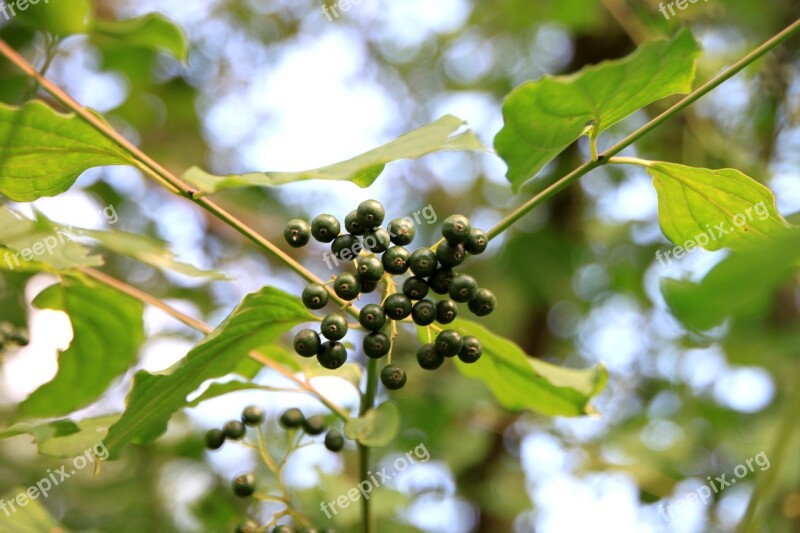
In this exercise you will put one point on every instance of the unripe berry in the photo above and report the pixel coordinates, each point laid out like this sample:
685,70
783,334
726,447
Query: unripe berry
456,229
477,242
292,418
244,485
423,262
397,306
370,213
325,228
463,288
393,377
315,296
483,302
428,358
369,268
423,313
332,355
307,343
314,425
446,311
415,288
252,415
449,343
372,317
440,281
353,225
215,438
346,286
334,440
450,255
402,231
472,349
297,233
395,260
234,430
376,345
334,326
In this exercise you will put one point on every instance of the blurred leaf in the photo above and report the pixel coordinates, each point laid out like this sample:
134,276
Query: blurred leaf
107,330
543,117
90,437
33,517
377,427
18,233
741,285
519,381
257,321
56,17
148,250
42,432
43,152
153,31
725,207
362,170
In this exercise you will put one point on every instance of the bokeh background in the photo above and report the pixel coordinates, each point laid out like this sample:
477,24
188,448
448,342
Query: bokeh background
275,85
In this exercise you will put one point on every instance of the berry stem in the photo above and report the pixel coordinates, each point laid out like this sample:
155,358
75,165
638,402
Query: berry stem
685,102
193,323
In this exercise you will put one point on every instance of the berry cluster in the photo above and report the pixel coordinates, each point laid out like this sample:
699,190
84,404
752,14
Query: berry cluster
10,335
378,255
244,485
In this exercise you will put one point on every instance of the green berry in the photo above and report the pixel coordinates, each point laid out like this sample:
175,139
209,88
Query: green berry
369,268
325,228
395,260
456,229
483,303
372,317
292,418
246,526
234,430
353,225
477,241
332,355
463,288
415,288
397,306
428,358
334,440
315,296
446,311
449,343
368,286
282,529
334,326
253,415
345,247
423,313
393,377
472,349
377,240
244,485
297,233
423,262
402,231
370,213
215,438
376,345
314,425
440,281
450,255
306,343
346,286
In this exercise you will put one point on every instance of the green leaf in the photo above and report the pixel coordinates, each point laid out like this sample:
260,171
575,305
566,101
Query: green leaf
43,152
107,330
257,321
543,117
153,31
148,250
42,432
742,285
42,242
377,427
215,390
55,16
362,170
520,382
714,208
33,517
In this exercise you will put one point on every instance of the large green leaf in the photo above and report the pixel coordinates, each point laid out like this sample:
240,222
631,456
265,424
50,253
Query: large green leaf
543,117
148,250
714,208
377,427
741,285
41,242
257,321
107,330
55,16
363,169
153,31
521,382
43,152
33,517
